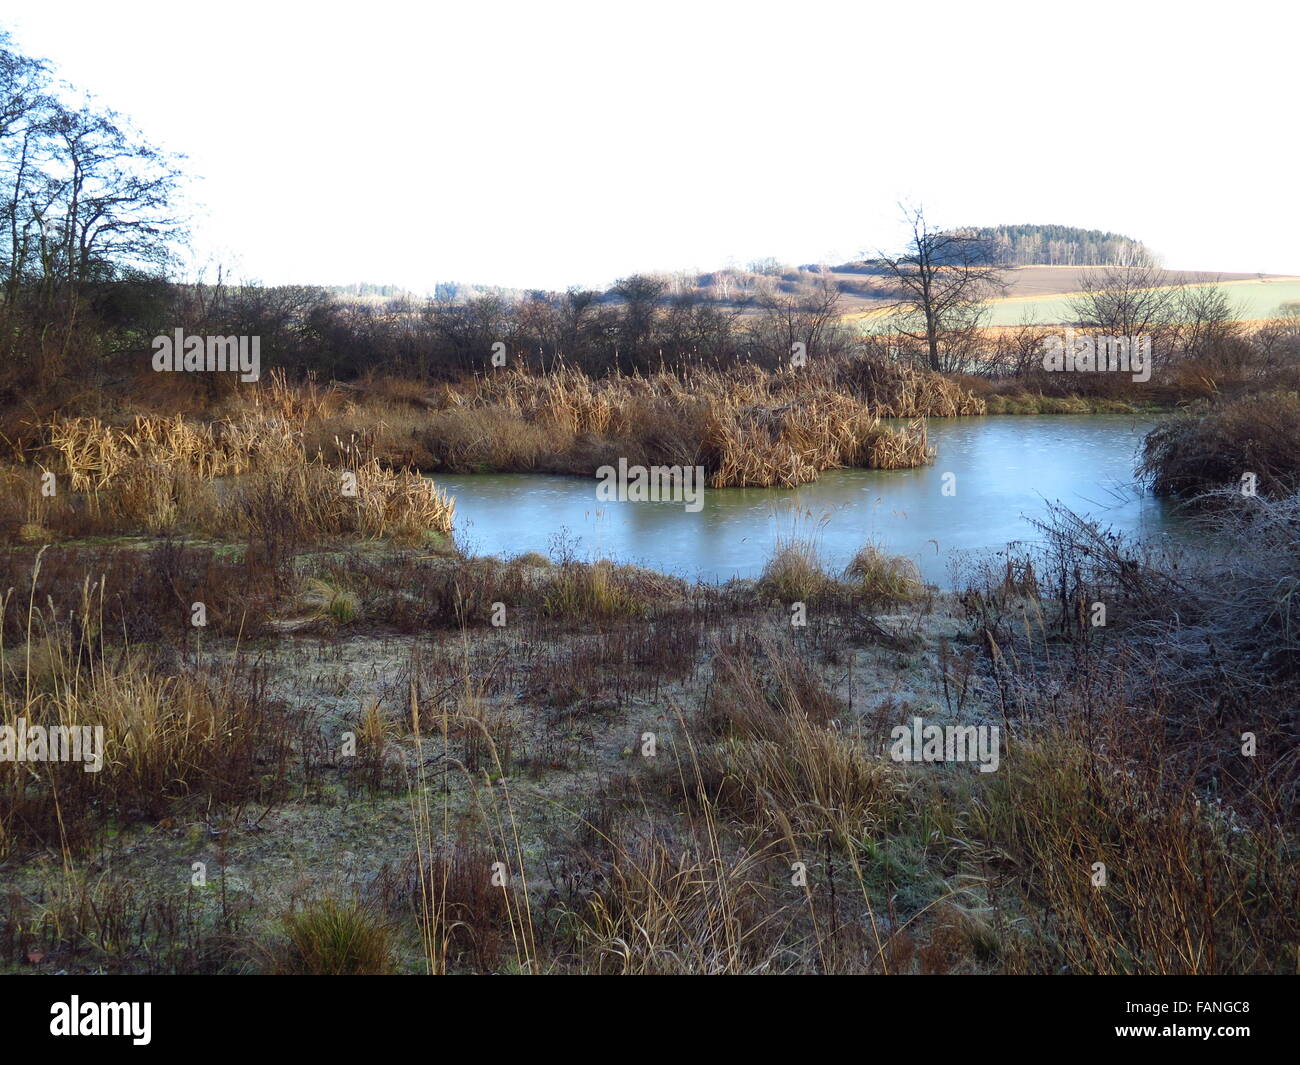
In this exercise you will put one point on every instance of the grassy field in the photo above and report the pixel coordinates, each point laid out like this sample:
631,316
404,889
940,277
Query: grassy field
1042,295
1256,299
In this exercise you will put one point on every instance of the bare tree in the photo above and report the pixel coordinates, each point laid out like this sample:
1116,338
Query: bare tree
86,200
1126,300
944,279
26,114
1208,321
116,196
810,316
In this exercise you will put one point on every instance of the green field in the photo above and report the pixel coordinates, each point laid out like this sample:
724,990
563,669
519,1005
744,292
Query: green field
1253,300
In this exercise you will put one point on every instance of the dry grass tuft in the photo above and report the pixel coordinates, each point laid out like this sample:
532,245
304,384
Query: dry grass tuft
153,736
1212,446
332,938
883,580
795,573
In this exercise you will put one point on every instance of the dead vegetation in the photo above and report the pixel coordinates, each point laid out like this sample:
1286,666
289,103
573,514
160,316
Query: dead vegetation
512,820
746,426
139,737
332,462
1210,446
171,476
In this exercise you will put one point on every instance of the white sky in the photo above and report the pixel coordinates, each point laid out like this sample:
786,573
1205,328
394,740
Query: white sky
543,144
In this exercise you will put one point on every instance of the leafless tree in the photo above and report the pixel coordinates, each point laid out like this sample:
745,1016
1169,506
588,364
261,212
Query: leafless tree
1208,321
85,200
810,316
944,280
1126,300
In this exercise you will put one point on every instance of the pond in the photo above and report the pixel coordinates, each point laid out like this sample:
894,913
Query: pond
1004,470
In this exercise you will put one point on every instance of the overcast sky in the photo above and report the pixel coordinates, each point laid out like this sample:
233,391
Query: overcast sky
546,144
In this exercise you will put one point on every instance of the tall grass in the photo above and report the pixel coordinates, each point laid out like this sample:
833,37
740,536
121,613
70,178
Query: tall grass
329,937
1210,446
166,735
1130,746
1078,804
165,475
796,572
473,897
746,426
880,579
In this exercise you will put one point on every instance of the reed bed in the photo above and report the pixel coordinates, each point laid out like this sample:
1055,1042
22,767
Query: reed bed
295,503
1211,446
896,389
93,455
746,426
165,475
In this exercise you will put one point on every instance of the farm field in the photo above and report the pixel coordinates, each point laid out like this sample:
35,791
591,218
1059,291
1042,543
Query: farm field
1032,299
1256,299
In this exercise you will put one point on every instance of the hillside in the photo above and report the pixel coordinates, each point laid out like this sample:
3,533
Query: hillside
1042,293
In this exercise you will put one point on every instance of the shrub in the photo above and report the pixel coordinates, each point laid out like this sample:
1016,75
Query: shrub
795,573
331,938
883,580
326,598
1212,445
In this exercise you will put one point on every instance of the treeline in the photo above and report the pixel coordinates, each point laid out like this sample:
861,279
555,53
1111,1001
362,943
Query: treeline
89,219
85,203
1052,245
90,223
111,324
1194,331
